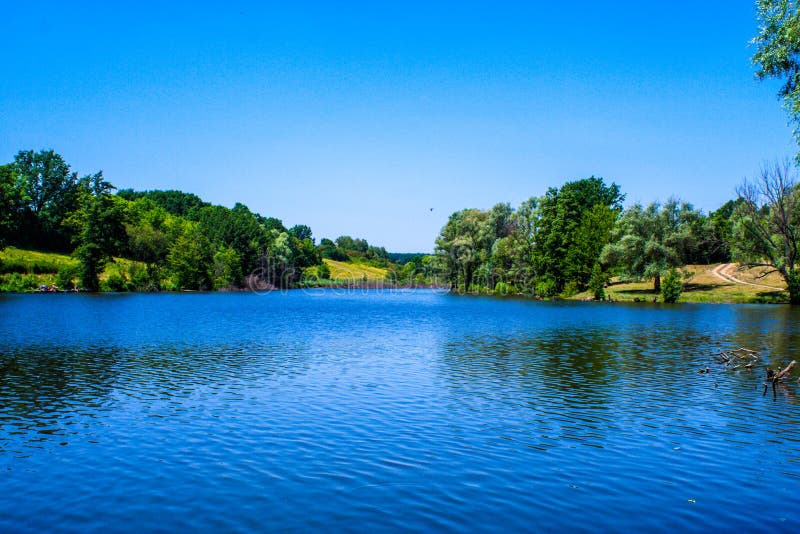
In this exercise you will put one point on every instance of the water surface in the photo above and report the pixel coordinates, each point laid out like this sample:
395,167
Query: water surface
390,410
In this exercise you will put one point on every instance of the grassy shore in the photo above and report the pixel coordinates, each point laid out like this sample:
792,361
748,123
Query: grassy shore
26,270
701,285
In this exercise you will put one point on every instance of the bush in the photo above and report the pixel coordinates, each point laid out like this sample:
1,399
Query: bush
546,288
17,283
671,286
115,282
68,277
323,271
571,289
502,288
597,282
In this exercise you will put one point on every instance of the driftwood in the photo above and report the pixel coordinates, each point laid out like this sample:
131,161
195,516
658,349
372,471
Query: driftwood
744,358
774,378
737,354
782,374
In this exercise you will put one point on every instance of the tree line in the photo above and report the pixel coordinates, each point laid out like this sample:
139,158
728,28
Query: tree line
175,239
576,237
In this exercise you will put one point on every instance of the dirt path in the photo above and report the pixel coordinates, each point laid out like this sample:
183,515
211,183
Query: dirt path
722,270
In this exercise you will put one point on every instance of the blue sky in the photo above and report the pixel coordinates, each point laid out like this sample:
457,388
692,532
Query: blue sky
357,119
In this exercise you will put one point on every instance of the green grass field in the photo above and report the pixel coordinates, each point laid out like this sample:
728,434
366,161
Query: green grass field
13,260
26,270
354,271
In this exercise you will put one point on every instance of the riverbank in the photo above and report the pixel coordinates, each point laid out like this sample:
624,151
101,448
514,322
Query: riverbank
715,283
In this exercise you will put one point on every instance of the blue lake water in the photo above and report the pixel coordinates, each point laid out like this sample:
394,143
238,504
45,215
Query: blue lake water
404,410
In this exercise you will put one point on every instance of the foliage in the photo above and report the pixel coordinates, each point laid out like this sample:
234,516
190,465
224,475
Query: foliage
672,286
546,246
501,288
10,202
767,229
227,268
190,257
778,51
18,283
173,202
68,277
98,229
323,271
648,241
597,282
567,217
180,241
50,191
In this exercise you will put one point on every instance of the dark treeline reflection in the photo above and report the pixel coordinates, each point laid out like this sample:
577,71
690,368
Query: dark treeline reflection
48,390
38,382
580,384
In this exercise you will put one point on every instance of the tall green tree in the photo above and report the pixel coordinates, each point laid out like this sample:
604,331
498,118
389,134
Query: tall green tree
148,240
98,228
10,202
648,241
190,259
778,52
767,224
562,212
50,191
461,247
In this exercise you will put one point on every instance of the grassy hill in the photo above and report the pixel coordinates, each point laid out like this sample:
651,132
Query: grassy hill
354,271
13,260
26,270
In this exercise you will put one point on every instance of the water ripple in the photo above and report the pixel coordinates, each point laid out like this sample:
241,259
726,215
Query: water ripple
391,411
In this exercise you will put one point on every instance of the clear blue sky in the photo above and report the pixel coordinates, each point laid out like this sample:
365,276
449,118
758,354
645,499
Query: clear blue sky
358,119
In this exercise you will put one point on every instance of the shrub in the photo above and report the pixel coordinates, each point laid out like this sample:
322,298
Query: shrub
502,288
671,286
597,282
17,283
115,282
546,288
323,271
571,289
68,276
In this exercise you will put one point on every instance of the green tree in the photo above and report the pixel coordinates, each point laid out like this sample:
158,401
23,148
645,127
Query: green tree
227,268
190,258
148,241
50,192
527,222
301,232
10,201
597,282
672,287
174,202
648,241
461,247
591,235
323,271
98,228
556,255
767,224
778,52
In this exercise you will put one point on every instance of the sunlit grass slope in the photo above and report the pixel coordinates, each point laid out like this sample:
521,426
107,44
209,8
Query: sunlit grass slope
354,271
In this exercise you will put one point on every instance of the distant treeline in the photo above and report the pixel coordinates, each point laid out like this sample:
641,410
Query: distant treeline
175,239
576,237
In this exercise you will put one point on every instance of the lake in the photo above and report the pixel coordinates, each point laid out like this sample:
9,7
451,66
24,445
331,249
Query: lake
391,410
